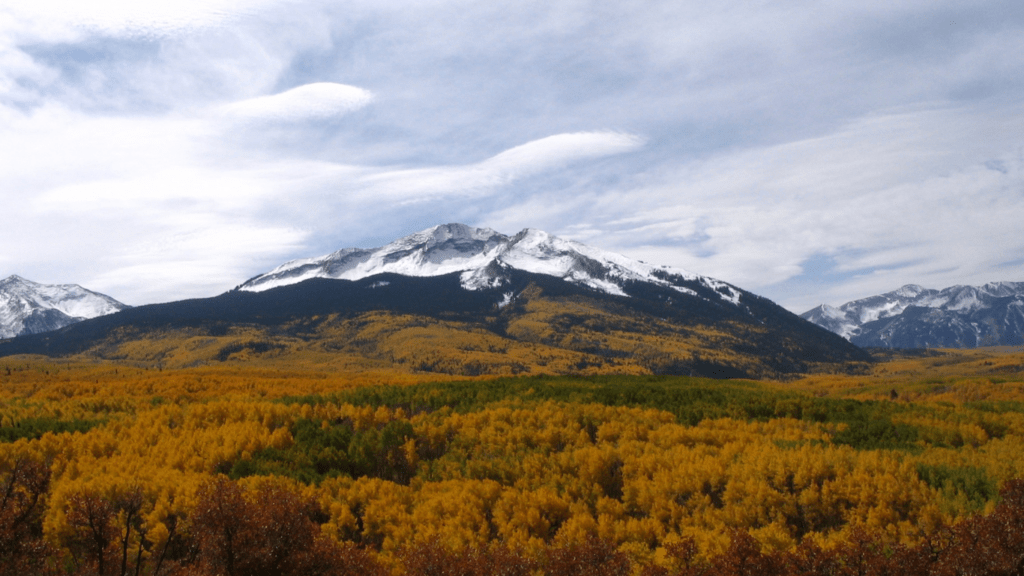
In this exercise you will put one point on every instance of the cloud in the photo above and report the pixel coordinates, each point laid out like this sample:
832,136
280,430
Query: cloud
535,157
311,102
154,198
929,196
208,257
130,17
555,151
171,234
84,193
144,58
803,150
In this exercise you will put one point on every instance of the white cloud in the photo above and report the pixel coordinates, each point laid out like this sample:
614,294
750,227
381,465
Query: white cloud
317,101
884,141
558,150
83,195
932,196
126,57
157,208
131,17
207,258
545,154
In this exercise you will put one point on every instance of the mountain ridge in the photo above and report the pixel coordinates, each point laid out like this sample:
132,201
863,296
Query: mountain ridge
917,317
28,307
527,323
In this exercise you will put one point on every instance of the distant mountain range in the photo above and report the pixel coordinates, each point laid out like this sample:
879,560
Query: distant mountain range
465,300
916,317
28,307
478,275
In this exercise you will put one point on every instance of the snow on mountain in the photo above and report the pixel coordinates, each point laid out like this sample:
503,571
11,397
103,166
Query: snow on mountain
911,317
27,307
481,255
847,319
832,319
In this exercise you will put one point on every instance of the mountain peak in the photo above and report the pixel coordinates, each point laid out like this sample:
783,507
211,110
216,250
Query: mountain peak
910,290
27,307
531,235
480,255
14,279
444,233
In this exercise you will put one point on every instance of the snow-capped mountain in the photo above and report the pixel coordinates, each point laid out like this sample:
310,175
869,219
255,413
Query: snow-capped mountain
847,319
483,258
916,317
28,307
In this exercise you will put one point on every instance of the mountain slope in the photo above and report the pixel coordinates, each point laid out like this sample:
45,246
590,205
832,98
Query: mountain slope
28,307
916,317
459,300
431,324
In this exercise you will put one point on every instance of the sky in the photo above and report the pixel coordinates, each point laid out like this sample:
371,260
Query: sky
808,151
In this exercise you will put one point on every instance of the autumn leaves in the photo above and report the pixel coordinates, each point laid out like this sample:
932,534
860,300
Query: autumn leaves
609,475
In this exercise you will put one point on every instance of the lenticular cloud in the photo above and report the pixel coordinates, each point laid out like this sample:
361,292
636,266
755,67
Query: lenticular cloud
560,149
319,101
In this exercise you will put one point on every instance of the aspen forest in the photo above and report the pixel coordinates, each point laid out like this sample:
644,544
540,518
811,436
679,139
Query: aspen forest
914,466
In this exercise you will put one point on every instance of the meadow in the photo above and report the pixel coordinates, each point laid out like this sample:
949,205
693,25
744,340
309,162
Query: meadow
233,468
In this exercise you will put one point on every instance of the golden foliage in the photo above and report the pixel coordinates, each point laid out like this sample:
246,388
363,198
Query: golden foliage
941,375
529,474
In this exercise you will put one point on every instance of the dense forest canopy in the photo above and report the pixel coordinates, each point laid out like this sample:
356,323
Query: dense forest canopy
113,469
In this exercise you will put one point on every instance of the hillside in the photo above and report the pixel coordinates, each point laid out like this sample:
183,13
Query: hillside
533,323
